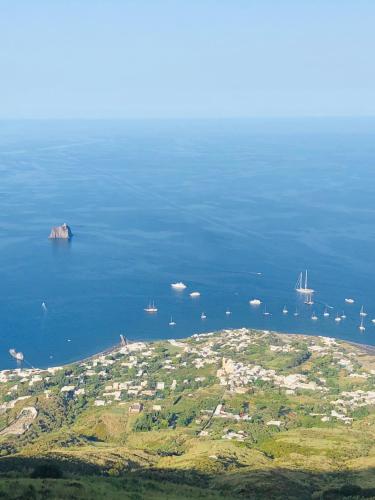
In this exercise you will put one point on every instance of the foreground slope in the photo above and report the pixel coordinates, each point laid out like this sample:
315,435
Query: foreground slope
240,411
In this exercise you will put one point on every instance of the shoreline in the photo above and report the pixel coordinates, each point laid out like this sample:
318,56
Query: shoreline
370,349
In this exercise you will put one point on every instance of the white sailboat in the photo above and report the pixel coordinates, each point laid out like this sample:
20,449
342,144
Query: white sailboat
172,323
301,285
361,326
314,317
151,308
203,316
343,315
228,312
362,312
285,310
337,319
265,312
326,313
296,313
309,300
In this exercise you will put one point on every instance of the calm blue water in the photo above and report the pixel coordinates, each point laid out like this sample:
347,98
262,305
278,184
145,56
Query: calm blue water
209,203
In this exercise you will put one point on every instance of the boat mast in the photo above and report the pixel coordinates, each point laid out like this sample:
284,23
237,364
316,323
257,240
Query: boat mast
306,280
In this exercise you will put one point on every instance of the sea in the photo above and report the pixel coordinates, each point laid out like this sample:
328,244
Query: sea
233,208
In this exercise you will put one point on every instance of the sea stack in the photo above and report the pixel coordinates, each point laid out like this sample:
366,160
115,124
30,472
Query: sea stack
61,232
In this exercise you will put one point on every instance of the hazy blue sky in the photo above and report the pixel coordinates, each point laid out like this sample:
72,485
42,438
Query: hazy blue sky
188,58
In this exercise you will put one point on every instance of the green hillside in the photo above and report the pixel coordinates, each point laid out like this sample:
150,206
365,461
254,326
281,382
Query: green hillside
238,413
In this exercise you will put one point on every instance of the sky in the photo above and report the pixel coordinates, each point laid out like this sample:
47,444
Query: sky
186,59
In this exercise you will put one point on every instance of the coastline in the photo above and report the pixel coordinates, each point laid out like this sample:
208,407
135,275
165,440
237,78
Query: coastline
109,350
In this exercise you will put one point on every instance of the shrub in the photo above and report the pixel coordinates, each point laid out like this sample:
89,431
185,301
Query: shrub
47,471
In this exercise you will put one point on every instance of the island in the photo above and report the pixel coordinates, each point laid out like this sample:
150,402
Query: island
62,232
230,414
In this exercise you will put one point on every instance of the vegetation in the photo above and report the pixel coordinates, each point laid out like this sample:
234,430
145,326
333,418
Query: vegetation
239,414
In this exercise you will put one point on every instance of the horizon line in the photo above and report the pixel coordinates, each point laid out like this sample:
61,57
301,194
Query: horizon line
187,118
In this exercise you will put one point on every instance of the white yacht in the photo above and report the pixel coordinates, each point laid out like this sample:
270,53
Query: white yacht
203,316
178,286
361,326
285,310
301,285
349,301
151,308
195,294
362,312
255,302
172,323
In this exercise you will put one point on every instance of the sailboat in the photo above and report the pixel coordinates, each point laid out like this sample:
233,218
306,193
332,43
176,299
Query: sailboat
338,319
314,317
326,313
309,300
361,326
203,316
265,312
362,312
44,306
172,323
301,286
285,310
228,312
343,315
151,308
296,313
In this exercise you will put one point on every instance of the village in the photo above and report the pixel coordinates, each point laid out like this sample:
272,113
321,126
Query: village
150,377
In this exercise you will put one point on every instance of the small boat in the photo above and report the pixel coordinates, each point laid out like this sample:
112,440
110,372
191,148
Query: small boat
172,323
326,313
228,312
296,313
361,326
314,317
309,301
362,312
178,286
338,319
16,355
265,312
301,287
349,301
343,315
151,308
373,321
195,294
285,310
203,316
255,302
